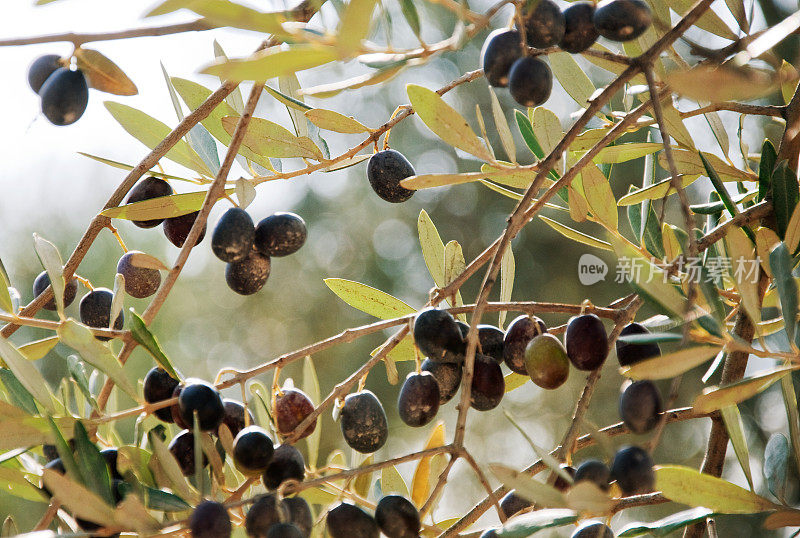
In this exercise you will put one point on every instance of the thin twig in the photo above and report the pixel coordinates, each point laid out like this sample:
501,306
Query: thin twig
78,39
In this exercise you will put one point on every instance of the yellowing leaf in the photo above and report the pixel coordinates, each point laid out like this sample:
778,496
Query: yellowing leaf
689,163
26,373
712,83
507,270
718,398
671,364
688,486
445,121
194,94
269,139
392,482
672,247
333,121
368,299
150,132
575,235
741,253
160,208
34,351
432,247
421,483
515,381
626,152
709,21
103,74
404,351
599,196
226,13
546,127
655,191
572,78
454,265
274,62
355,24
792,237
503,129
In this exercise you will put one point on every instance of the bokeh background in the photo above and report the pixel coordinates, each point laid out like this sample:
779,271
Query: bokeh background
46,187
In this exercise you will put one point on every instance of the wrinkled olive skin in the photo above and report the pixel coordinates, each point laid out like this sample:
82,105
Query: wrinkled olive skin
519,333
280,234
397,517
587,342
350,521
640,406
419,398
292,406
140,282
530,81
633,471
580,33
622,20
447,374
500,50
233,235
363,421
385,170
545,25
488,385
594,471
629,353
546,361
249,275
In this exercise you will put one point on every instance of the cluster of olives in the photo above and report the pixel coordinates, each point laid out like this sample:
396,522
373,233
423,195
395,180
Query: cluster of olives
95,306
247,248
395,517
176,229
505,59
640,405
64,92
253,450
530,350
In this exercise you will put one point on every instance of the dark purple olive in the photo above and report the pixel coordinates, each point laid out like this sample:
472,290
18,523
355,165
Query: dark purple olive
519,333
587,342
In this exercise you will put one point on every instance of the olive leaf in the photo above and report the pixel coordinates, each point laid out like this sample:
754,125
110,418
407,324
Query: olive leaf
274,62
368,299
103,74
691,487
